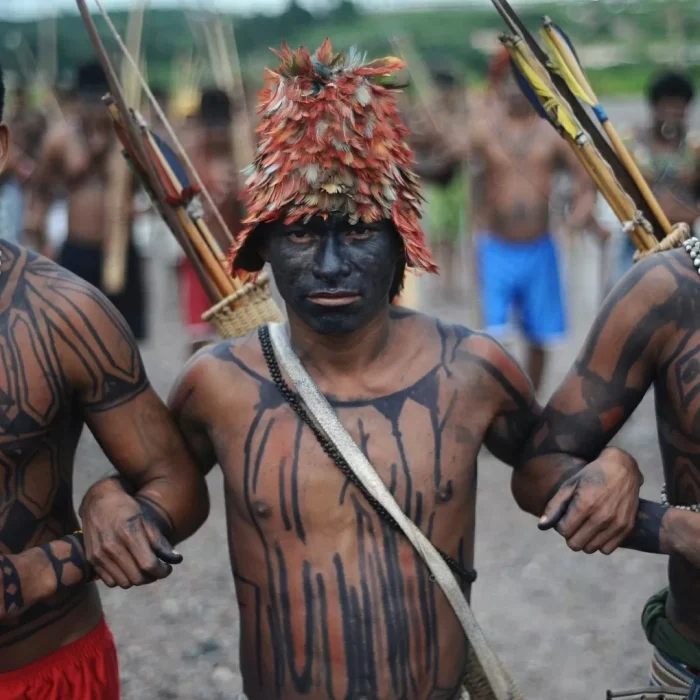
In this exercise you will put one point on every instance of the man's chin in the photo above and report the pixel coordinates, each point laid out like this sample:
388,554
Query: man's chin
332,320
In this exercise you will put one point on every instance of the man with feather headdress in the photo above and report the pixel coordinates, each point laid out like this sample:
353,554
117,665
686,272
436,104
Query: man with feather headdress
333,601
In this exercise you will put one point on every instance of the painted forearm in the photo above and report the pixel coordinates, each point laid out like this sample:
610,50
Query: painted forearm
162,503
650,532
535,482
39,573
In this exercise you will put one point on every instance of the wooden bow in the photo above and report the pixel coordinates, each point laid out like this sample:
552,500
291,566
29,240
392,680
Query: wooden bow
163,175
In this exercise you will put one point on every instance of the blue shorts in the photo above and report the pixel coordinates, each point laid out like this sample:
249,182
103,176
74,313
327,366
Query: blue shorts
522,278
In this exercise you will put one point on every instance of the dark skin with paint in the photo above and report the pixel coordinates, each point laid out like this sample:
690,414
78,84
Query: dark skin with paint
67,360
333,602
647,333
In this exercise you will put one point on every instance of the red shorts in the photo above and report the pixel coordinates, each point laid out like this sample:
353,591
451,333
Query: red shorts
194,302
86,669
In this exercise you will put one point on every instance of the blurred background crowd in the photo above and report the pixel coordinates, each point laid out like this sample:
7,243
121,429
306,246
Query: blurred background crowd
525,248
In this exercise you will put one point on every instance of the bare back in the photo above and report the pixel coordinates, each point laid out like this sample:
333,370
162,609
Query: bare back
64,354
334,603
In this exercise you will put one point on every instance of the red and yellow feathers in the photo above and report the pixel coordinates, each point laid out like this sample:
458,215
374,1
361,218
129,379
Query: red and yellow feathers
331,140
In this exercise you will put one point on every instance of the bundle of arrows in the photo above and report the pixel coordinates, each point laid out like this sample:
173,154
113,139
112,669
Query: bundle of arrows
556,85
239,305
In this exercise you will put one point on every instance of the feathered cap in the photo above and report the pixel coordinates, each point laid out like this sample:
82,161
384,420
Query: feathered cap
330,139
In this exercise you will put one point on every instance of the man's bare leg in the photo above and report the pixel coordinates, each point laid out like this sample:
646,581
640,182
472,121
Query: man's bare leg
536,356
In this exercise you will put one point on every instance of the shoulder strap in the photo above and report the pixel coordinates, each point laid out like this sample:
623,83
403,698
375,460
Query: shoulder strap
502,686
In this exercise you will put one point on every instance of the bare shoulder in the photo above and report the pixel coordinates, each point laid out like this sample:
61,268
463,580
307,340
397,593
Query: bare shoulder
651,283
72,328
229,371
474,359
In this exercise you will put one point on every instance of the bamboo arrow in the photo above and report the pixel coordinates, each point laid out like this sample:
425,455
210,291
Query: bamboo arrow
597,137
570,69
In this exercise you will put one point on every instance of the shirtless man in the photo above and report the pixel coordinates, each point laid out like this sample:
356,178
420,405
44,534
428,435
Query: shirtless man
77,156
647,333
516,253
334,602
69,360
668,155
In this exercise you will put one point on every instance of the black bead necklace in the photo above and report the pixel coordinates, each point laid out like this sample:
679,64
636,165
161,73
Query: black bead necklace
333,452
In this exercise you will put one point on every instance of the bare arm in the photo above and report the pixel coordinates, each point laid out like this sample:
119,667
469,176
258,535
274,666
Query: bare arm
186,405
39,573
608,380
606,486
100,365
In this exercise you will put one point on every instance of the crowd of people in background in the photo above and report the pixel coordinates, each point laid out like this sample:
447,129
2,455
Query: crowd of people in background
489,167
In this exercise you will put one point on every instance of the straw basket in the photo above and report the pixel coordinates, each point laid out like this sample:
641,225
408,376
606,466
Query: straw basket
245,310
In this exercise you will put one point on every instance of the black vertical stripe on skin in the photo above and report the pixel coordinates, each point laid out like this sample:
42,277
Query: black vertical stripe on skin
323,609
273,619
296,512
283,500
261,450
258,624
370,671
394,476
425,611
419,509
348,639
300,680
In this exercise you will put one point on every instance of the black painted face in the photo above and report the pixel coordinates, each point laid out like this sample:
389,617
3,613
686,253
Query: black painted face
334,276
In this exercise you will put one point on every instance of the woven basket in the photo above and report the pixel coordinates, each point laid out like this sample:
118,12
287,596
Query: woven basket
247,309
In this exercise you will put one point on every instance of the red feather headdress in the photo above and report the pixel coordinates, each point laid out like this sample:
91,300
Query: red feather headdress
331,140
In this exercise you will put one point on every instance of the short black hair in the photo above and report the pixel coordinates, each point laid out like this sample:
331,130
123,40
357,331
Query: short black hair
670,84
215,107
91,81
2,94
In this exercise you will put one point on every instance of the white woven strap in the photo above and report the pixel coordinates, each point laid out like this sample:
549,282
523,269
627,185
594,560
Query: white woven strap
328,421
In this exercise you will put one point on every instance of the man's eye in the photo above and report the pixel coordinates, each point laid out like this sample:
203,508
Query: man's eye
359,235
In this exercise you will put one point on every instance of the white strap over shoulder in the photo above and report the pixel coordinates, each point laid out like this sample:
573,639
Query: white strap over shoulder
502,686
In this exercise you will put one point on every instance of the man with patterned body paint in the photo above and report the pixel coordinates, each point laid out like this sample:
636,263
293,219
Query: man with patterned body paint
647,333
68,359
334,603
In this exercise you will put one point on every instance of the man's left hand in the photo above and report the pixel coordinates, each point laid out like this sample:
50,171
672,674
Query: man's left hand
125,548
595,509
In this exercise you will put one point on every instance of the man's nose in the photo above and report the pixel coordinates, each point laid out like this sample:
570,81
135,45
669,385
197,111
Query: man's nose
330,262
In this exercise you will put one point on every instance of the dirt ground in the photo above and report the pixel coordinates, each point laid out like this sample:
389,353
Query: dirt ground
567,625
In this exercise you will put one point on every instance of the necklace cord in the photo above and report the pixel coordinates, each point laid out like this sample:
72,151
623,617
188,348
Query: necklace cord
468,576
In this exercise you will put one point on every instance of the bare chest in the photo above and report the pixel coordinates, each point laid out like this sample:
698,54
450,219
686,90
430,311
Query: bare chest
423,442
678,411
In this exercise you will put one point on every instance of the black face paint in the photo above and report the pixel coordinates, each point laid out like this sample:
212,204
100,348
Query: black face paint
334,276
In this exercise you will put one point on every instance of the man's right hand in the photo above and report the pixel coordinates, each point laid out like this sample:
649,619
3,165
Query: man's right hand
596,509
122,544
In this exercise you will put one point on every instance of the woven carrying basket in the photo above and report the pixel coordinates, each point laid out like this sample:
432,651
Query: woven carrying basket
247,309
